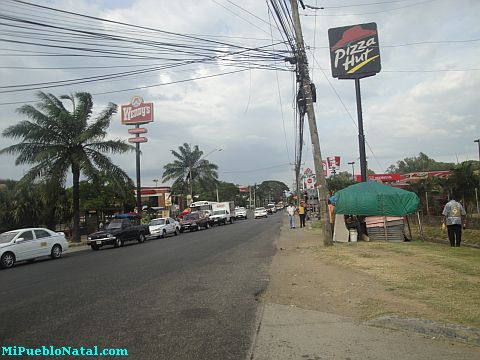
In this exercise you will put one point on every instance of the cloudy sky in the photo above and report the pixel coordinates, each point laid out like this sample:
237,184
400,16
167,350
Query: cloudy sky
425,99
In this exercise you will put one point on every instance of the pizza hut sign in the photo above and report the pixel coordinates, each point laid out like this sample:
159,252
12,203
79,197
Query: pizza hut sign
354,51
137,112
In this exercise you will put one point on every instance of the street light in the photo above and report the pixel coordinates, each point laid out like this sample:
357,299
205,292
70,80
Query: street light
190,171
353,170
156,182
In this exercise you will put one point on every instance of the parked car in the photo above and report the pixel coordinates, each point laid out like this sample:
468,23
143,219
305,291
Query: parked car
161,227
117,232
260,212
271,208
195,221
241,213
29,244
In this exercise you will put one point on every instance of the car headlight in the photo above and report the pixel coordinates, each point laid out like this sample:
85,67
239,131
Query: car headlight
110,236
89,238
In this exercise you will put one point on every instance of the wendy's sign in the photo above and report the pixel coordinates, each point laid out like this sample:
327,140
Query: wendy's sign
137,112
354,51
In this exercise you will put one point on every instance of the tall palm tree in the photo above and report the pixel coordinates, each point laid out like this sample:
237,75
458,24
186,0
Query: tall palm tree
56,141
189,168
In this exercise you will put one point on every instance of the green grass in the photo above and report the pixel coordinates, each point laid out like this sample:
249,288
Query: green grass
445,281
469,236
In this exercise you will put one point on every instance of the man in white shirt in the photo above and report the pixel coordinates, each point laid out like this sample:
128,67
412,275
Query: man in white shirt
291,209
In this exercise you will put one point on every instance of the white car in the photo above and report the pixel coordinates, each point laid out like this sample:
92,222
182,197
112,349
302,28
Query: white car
260,212
29,244
241,212
161,227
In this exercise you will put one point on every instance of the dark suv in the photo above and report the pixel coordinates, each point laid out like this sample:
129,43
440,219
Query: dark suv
195,221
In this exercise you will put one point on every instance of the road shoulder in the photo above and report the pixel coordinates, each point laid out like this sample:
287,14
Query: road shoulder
311,311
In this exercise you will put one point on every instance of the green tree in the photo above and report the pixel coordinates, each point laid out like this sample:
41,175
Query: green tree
463,181
106,193
339,181
56,141
271,191
418,163
189,172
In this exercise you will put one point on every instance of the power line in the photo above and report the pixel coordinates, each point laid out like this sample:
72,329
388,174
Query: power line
375,12
142,87
254,170
316,7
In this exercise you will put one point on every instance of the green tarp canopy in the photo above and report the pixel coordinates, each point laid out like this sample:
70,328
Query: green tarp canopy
373,199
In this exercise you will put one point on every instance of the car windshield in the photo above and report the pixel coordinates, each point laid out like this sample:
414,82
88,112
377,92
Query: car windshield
260,209
157,222
114,225
191,217
7,236
241,209
219,212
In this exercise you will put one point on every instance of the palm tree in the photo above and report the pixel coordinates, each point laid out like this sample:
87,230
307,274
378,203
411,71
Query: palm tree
189,167
57,141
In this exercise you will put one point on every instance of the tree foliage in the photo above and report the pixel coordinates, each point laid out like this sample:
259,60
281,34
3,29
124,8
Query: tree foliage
190,172
418,163
270,191
340,181
56,141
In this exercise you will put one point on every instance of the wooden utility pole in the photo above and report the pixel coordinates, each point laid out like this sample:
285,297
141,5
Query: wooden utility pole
302,64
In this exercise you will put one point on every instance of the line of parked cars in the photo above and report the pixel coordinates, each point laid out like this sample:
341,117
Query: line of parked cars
32,243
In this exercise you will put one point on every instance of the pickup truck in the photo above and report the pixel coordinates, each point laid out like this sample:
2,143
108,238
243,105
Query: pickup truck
220,217
117,232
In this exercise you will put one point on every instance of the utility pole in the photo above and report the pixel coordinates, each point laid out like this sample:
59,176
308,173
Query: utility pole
312,124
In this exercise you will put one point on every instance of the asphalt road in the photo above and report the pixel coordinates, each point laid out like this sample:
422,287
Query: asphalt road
186,297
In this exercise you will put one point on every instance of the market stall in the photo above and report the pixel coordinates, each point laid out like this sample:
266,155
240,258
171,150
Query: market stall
383,208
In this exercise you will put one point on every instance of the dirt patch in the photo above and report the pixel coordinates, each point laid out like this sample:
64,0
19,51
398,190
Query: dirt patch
368,280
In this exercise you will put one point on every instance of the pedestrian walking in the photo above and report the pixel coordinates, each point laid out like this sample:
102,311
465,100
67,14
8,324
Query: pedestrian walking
453,212
301,213
291,215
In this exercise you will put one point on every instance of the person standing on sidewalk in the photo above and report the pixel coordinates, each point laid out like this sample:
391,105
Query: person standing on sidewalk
291,215
301,213
453,212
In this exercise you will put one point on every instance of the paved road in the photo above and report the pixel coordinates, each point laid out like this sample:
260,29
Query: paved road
185,297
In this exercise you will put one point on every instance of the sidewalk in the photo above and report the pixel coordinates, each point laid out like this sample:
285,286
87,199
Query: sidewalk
82,245
302,318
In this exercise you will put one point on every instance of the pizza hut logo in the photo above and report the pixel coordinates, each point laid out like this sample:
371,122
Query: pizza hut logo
354,50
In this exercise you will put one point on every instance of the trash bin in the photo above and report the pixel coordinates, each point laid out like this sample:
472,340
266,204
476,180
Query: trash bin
353,235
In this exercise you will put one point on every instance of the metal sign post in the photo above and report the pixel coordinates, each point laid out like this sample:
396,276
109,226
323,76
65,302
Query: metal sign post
136,113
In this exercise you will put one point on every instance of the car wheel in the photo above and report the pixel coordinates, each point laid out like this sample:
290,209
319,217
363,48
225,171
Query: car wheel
164,234
207,225
176,232
181,230
95,247
56,251
141,238
7,260
118,242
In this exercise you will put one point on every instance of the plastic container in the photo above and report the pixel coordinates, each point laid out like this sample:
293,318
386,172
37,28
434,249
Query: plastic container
353,235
